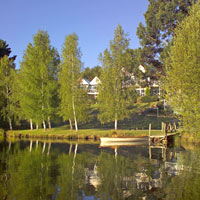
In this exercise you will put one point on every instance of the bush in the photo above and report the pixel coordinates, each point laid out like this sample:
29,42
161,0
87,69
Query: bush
139,100
1,131
147,99
160,105
147,91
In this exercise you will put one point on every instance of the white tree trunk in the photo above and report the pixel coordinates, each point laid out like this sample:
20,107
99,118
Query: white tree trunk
31,124
115,124
9,146
49,147
43,149
31,144
49,122
10,123
70,124
37,126
44,125
75,122
70,149
73,106
74,159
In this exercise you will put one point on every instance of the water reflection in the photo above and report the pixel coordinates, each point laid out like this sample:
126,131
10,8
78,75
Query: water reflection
71,170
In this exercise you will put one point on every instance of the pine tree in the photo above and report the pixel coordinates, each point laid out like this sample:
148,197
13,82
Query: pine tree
5,50
114,93
161,19
73,106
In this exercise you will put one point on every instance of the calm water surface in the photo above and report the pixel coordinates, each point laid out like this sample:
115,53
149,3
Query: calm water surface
52,170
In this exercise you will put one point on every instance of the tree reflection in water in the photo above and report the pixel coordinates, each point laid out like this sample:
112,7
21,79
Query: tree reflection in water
47,170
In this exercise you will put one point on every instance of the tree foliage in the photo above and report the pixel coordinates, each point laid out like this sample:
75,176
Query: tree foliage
161,18
90,73
114,95
5,50
183,71
73,106
8,102
38,79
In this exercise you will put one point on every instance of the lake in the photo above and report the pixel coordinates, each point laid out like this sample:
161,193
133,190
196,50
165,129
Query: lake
74,170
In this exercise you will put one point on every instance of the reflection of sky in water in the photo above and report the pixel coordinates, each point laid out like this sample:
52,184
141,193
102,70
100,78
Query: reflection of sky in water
86,171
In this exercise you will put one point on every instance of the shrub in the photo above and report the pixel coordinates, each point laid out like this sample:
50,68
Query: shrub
147,99
147,91
1,131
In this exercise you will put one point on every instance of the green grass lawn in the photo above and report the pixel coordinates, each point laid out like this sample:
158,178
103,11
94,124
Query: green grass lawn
140,116
137,124
82,133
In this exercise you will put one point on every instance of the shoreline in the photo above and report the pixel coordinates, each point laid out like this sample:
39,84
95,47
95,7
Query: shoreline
86,134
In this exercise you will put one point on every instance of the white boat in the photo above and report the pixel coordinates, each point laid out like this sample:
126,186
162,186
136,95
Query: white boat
123,139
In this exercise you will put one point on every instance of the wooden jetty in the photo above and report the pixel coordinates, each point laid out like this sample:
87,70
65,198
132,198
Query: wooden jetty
168,132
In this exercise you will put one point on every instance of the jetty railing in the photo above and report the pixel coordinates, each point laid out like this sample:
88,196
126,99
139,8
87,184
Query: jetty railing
168,130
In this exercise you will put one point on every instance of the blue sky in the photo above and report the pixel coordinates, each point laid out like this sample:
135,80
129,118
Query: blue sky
93,21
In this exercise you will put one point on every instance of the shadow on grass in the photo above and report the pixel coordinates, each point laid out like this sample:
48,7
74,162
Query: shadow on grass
139,119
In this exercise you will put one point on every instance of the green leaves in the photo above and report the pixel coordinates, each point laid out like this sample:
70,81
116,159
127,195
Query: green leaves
73,103
161,19
113,98
38,79
8,107
183,72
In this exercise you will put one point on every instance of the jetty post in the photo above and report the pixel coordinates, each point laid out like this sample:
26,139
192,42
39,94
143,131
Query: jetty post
165,133
149,133
150,141
162,127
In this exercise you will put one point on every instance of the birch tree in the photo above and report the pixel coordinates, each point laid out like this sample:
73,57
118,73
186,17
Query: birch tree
183,71
73,106
114,94
38,80
8,108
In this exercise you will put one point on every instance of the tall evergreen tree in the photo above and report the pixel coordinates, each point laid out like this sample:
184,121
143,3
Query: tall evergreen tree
183,71
114,93
73,106
161,18
38,80
5,50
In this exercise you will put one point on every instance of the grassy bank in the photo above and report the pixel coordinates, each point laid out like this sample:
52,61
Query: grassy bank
63,133
137,124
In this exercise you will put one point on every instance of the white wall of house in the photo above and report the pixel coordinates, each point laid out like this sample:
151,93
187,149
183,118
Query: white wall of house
91,86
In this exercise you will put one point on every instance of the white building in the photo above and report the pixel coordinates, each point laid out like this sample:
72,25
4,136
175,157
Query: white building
154,86
91,86
85,83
